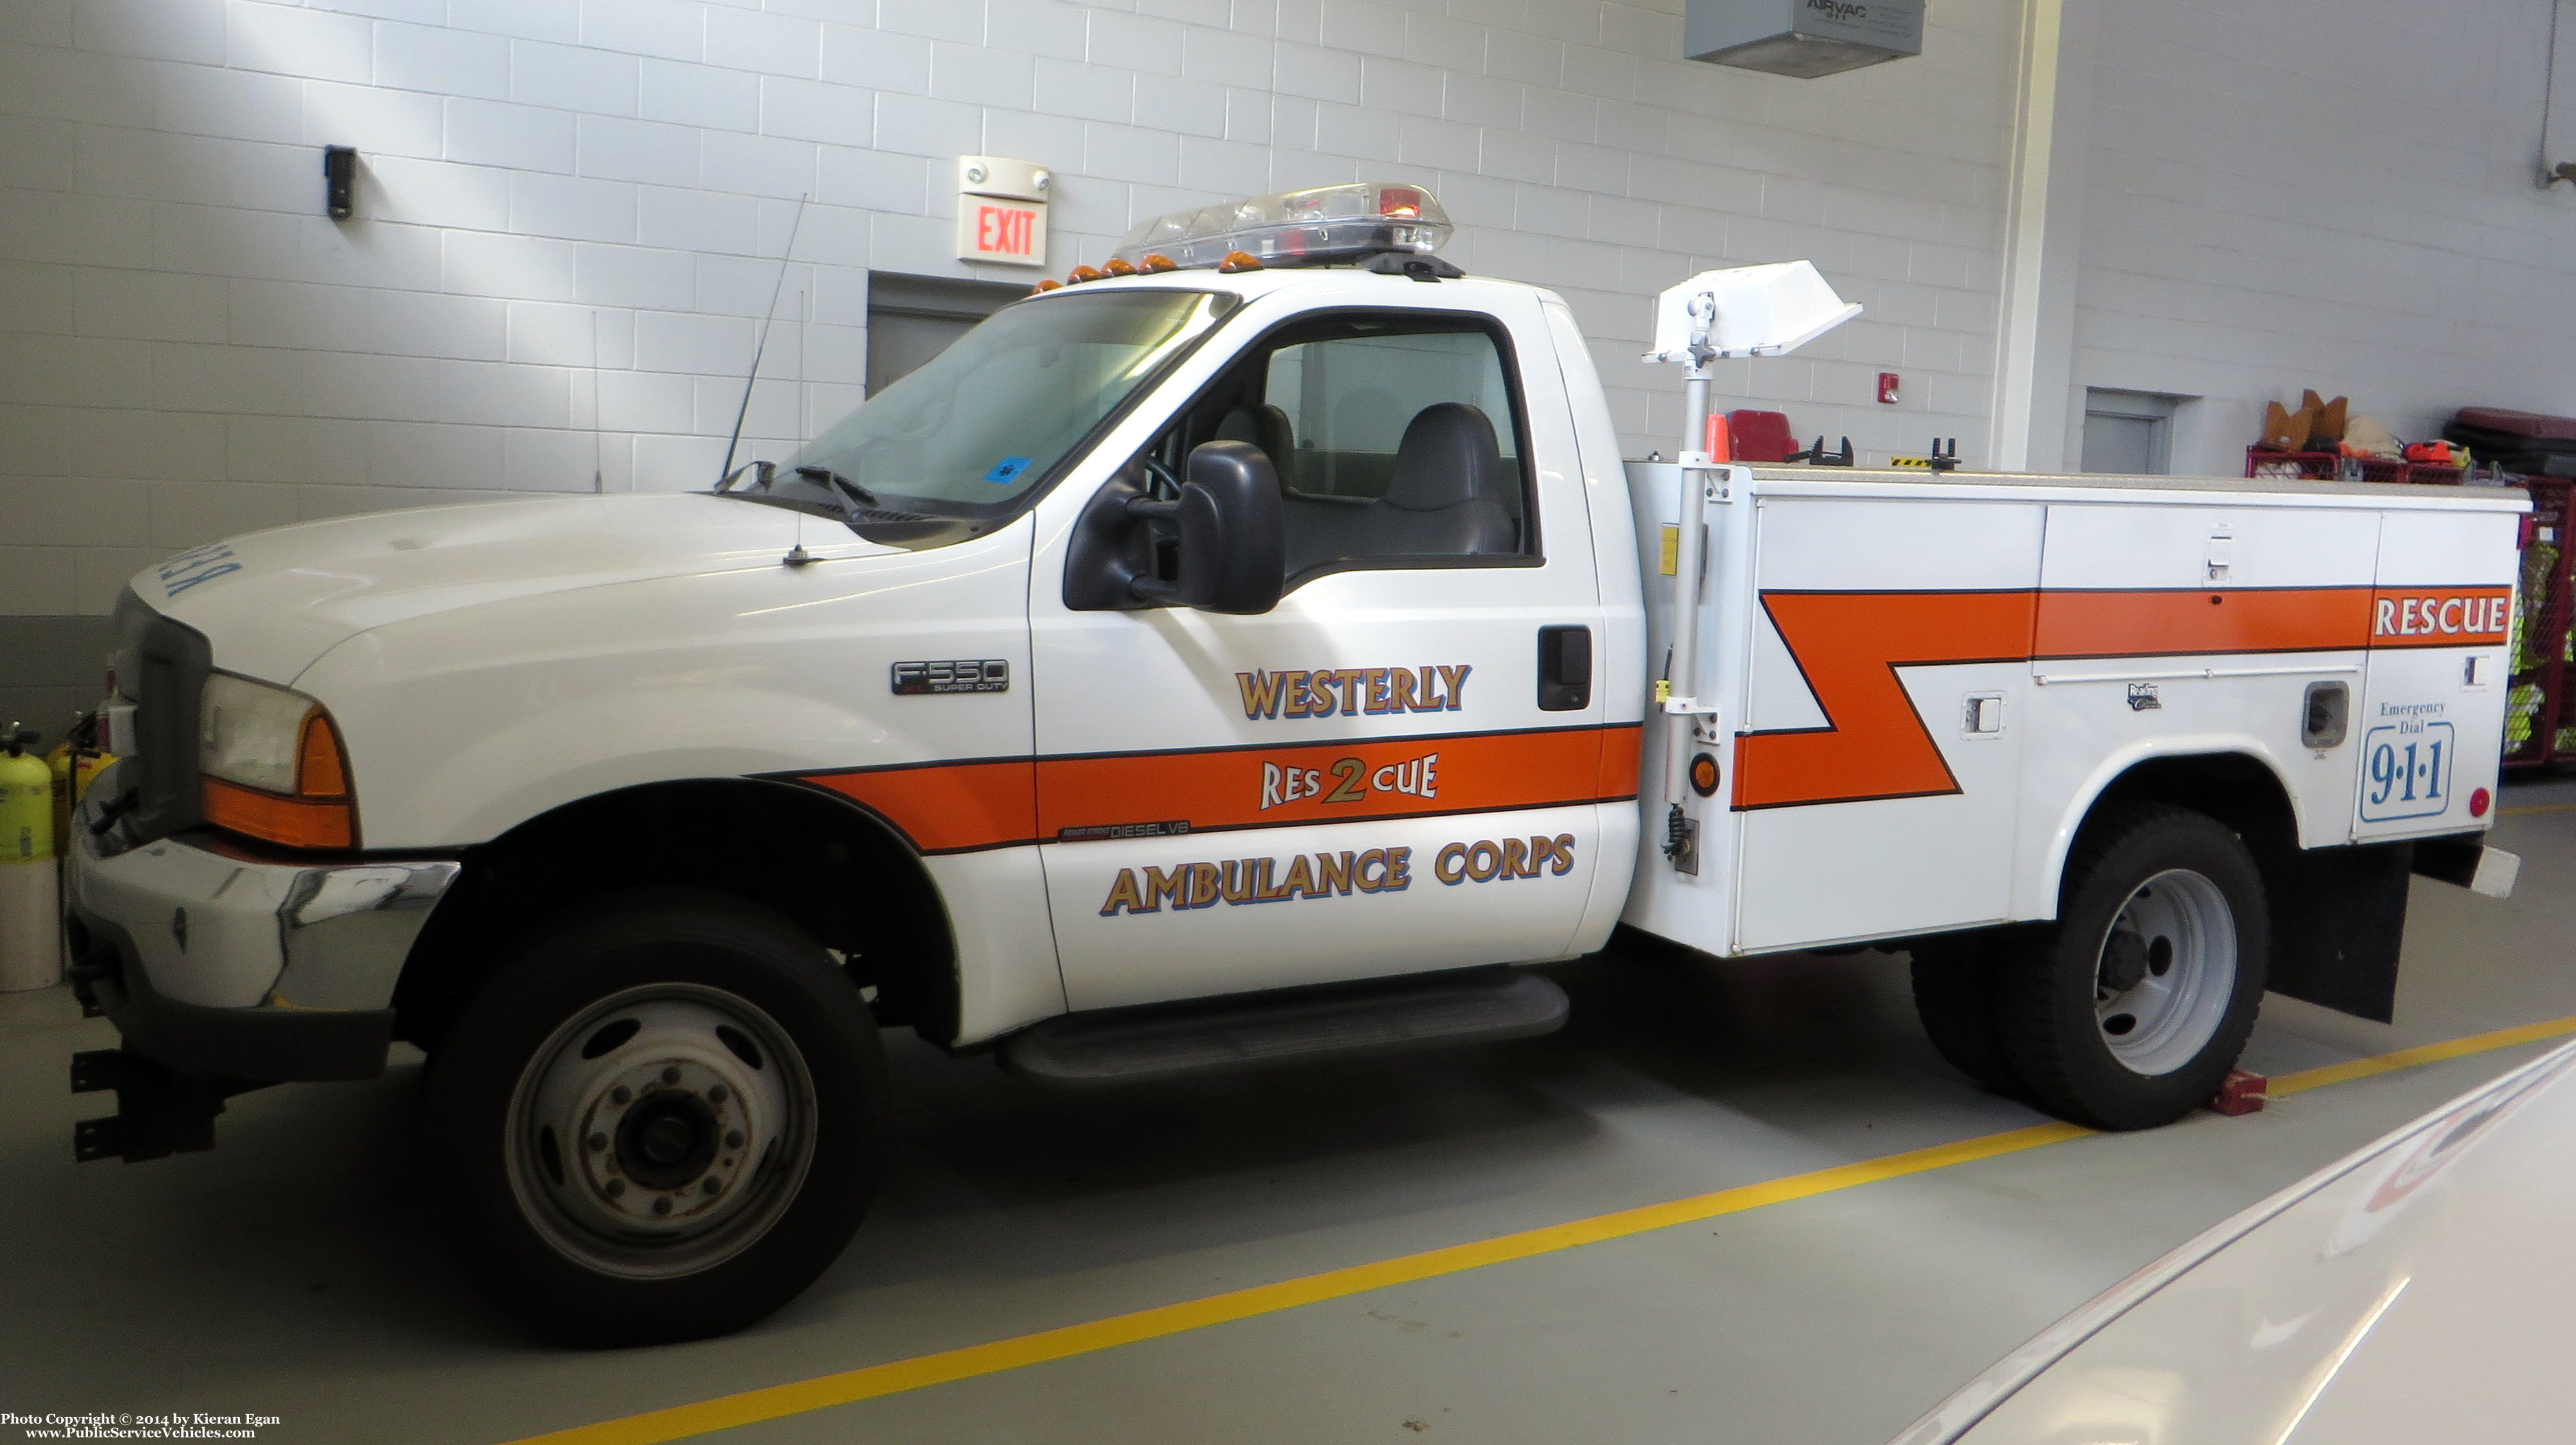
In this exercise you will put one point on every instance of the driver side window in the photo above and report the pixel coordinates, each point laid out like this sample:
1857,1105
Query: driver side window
1396,437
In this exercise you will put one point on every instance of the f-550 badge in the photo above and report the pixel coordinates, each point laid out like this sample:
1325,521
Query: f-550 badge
915,679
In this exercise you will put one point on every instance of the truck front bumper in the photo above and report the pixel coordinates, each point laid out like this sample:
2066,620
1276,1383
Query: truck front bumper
219,964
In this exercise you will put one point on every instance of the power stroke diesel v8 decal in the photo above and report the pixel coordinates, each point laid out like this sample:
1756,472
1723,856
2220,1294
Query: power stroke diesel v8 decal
1849,645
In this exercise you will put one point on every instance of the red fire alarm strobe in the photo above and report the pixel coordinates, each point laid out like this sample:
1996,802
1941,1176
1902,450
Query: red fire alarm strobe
1887,388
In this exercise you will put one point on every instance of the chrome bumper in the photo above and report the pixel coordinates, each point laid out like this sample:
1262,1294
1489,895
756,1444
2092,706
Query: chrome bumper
216,962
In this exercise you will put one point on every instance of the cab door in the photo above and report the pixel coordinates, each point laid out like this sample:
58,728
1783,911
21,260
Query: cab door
1373,778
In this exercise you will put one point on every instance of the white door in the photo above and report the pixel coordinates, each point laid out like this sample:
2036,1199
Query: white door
1877,778
1366,780
2430,725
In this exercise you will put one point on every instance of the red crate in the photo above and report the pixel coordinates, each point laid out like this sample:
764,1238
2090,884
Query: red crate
2315,466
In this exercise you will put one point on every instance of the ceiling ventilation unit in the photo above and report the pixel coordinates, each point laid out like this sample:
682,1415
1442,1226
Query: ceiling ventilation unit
1802,38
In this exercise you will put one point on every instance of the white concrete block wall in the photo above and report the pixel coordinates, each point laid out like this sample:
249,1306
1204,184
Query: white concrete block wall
2287,195
570,210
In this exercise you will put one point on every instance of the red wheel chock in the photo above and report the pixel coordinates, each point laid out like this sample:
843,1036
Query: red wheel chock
2240,1093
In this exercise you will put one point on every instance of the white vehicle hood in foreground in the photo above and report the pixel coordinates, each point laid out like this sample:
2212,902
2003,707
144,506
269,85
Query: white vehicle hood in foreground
271,602
2421,1290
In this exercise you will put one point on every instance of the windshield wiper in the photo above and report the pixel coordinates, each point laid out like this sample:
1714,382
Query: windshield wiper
856,493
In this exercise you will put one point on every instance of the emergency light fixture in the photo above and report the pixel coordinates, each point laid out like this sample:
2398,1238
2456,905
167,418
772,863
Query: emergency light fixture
1296,228
1760,311
1802,38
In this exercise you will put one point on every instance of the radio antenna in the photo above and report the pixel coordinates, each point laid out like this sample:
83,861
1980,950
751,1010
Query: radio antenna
763,345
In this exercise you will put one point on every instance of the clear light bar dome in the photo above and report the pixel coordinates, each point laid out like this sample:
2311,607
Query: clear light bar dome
1328,223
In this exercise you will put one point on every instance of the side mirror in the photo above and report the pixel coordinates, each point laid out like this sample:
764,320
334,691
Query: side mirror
1232,540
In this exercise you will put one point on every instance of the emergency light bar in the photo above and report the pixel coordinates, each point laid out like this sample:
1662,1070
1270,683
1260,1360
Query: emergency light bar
1329,223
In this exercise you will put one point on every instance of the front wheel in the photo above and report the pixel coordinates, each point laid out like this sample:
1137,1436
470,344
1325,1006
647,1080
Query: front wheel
660,1124
2131,1010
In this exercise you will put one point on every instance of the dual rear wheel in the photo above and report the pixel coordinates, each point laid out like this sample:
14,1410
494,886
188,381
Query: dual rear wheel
2129,1010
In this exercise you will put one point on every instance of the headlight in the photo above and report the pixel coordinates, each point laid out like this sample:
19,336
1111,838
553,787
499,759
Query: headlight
273,765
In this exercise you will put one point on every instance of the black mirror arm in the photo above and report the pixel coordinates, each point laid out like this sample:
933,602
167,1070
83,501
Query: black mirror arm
1154,589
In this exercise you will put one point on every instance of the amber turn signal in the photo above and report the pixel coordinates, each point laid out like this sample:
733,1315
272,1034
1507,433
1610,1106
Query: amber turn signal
319,815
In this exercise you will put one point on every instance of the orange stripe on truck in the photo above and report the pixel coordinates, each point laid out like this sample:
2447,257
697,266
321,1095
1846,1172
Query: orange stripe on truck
2162,624
1849,645
1002,803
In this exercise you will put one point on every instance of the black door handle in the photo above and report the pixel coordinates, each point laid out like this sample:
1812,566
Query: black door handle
1564,668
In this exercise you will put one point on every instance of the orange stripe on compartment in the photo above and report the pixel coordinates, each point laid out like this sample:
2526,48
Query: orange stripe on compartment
2440,616
2161,624
1848,646
949,807
1333,781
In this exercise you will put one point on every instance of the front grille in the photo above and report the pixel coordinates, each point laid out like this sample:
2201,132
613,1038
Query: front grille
163,668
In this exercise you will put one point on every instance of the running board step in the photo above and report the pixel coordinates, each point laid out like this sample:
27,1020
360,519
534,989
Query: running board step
1167,1041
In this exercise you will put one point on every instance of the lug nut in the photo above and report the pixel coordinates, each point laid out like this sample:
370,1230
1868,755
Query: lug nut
598,1142
717,1095
662,1204
733,1138
619,1095
670,1073
616,1188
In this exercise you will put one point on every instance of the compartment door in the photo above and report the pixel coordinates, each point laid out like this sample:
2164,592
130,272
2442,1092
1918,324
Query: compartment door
1877,776
2430,728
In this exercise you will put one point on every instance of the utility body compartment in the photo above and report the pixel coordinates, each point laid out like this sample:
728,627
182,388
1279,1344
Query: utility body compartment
1921,684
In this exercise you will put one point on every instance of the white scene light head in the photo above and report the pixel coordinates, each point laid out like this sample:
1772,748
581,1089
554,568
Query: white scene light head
1761,311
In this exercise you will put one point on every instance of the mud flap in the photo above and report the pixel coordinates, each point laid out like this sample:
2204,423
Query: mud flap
2338,921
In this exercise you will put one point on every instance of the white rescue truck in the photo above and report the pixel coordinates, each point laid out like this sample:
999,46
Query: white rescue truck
1217,662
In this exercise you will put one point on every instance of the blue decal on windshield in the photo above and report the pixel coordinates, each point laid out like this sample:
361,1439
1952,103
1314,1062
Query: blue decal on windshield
1008,471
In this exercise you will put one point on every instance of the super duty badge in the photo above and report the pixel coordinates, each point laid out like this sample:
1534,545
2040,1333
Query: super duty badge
912,679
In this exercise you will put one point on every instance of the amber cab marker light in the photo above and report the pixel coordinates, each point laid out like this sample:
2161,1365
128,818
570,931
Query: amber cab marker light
1118,267
1239,261
1046,285
1082,274
1157,263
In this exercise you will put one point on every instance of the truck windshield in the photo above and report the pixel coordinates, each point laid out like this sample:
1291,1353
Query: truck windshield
980,428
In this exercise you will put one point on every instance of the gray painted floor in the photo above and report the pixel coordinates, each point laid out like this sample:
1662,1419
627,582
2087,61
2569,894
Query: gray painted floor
287,1272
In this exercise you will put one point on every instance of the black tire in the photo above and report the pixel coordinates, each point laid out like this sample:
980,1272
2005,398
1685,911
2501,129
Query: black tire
691,1027
1954,996
2129,1012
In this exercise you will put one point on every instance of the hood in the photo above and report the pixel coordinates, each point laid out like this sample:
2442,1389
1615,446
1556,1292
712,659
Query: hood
2411,1292
272,602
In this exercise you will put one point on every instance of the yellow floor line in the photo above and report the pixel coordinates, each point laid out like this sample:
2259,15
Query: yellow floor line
2536,808
681,1422
2424,1054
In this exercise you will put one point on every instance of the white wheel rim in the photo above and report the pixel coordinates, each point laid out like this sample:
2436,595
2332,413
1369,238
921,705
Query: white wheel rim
661,1131
2165,972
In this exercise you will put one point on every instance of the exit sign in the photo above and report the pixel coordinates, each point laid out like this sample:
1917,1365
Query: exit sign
1001,210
